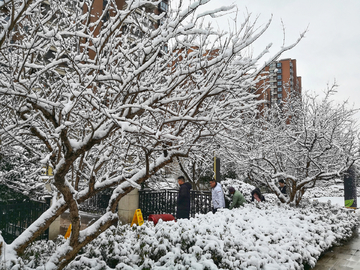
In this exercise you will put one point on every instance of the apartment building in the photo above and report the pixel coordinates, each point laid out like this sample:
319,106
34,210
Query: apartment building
280,81
100,5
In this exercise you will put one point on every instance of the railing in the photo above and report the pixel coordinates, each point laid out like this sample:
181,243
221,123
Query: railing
96,204
16,216
164,202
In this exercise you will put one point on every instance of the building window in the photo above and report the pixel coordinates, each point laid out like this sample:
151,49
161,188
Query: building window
279,70
278,65
280,96
279,83
279,77
279,89
163,6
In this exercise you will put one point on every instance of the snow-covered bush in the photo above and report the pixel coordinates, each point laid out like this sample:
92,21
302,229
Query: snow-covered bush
243,187
329,191
257,236
325,191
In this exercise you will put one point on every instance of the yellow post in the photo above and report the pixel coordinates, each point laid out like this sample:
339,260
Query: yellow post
216,168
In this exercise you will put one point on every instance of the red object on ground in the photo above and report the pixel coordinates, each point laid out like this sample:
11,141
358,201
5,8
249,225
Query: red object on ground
164,217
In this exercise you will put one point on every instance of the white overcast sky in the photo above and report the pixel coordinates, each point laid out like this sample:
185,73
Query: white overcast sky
331,47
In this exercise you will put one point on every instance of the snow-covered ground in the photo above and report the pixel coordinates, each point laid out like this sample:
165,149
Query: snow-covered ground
258,236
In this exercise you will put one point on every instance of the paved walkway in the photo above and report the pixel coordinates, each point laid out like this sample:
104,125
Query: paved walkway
344,257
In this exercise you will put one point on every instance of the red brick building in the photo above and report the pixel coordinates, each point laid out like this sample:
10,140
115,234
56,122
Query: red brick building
99,5
281,81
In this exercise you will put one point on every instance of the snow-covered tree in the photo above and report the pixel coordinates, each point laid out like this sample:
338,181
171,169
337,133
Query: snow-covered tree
304,141
17,163
107,100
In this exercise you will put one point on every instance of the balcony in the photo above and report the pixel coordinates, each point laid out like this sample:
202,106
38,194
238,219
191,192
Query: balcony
272,80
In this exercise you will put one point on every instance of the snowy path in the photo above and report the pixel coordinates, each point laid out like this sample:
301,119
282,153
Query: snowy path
345,257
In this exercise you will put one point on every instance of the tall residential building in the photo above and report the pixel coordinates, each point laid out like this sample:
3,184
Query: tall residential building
281,81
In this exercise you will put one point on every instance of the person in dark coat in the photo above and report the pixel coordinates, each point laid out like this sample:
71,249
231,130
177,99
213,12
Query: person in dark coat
183,201
282,187
257,196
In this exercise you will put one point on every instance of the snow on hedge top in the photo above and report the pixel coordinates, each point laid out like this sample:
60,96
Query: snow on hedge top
257,236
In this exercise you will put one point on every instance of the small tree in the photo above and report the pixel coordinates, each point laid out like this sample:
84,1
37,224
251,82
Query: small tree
303,141
107,100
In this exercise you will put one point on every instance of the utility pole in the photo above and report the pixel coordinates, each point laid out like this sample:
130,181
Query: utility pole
216,167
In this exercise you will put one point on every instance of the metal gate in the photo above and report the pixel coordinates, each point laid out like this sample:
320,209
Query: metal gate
164,202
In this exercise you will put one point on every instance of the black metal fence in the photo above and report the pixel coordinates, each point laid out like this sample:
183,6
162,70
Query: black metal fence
164,202
16,216
96,204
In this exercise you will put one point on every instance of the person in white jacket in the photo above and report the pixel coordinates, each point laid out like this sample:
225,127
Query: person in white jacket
217,194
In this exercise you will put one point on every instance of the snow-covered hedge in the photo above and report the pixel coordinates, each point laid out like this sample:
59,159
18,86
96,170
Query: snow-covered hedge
328,191
257,236
243,187
246,189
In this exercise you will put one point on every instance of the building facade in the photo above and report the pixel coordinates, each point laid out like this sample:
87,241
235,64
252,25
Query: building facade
99,6
280,82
